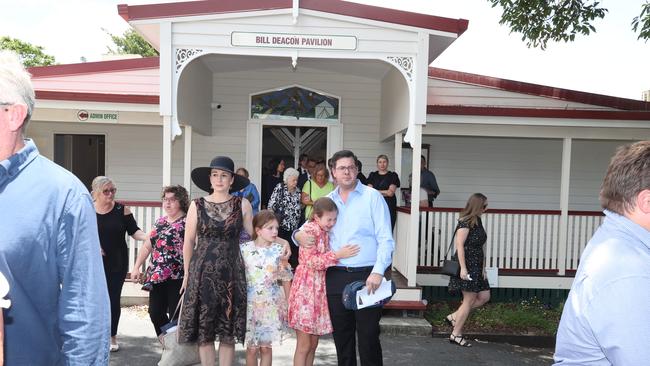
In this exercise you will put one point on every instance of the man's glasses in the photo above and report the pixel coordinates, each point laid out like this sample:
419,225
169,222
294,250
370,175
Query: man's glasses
351,168
109,191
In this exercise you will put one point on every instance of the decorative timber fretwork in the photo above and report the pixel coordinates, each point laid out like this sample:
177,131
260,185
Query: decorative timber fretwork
404,63
183,55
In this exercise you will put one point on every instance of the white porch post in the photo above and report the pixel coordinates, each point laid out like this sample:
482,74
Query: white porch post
564,206
414,224
167,150
397,163
417,118
187,158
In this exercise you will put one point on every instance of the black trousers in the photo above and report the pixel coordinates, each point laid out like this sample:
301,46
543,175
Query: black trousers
348,323
293,259
163,299
114,282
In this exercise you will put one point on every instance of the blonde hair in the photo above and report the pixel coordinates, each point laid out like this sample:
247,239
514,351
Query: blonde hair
98,183
473,209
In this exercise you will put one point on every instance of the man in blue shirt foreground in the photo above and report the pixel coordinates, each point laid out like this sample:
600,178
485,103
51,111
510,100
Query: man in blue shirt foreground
364,220
49,248
606,320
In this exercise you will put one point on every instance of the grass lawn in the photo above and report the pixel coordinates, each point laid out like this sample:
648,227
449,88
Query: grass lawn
524,317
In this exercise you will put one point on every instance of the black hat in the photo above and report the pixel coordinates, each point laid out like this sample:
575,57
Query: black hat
201,175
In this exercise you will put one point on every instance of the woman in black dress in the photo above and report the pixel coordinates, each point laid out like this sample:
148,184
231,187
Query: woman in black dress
272,179
114,221
470,238
214,304
386,182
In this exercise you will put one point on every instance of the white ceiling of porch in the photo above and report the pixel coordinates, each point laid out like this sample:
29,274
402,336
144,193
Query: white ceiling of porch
373,69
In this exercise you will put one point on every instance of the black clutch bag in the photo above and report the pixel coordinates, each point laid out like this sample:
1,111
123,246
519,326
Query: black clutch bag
450,267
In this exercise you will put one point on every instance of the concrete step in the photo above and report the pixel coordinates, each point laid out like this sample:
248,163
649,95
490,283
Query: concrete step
133,295
393,325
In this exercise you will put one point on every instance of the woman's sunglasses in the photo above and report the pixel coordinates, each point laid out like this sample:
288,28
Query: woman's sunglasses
109,191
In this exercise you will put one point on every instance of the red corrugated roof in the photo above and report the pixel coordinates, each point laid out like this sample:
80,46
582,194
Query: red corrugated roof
95,67
463,110
193,8
540,90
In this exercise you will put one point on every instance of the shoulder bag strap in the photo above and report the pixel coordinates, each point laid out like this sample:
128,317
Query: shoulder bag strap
451,244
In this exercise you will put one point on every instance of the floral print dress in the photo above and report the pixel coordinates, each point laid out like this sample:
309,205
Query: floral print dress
308,310
287,206
266,320
167,250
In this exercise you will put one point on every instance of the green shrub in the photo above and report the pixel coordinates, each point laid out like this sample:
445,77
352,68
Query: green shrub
523,317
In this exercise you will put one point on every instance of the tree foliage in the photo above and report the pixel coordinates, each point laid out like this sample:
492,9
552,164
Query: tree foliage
131,43
643,21
540,21
29,54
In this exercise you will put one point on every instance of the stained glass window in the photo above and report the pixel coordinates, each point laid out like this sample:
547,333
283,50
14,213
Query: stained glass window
294,103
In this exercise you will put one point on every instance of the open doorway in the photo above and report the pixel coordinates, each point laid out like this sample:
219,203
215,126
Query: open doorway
287,143
83,155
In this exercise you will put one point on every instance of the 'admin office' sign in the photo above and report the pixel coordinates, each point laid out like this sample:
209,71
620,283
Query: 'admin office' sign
283,40
97,116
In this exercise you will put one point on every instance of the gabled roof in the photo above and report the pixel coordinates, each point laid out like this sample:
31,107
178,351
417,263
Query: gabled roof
346,8
628,108
539,90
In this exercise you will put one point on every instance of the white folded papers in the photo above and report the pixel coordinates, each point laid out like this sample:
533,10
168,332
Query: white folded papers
364,299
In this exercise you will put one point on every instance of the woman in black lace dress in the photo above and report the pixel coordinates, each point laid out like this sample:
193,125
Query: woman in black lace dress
214,304
470,238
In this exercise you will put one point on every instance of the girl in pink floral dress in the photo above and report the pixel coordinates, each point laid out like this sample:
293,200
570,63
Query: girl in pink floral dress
308,313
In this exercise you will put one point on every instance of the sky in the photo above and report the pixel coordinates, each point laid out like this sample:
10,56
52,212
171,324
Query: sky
611,61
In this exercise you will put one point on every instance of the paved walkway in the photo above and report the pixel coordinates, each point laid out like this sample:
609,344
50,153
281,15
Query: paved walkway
139,347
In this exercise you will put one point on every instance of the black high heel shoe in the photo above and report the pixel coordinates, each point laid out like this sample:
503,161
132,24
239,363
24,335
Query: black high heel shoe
459,340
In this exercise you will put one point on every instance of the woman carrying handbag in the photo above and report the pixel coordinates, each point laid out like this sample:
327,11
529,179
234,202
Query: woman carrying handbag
472,281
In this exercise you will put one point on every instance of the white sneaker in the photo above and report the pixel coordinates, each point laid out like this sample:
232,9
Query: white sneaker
114,347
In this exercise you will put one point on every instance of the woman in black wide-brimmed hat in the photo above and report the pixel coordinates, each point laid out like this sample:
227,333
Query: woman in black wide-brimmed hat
214,304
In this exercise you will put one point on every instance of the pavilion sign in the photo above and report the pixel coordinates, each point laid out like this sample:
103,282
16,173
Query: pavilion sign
284,40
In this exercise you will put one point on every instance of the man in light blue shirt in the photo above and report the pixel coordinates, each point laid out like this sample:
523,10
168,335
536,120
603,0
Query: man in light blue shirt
364,220
49,247
606,319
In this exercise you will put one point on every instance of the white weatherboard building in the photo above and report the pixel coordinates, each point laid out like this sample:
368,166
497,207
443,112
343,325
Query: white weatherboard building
261,79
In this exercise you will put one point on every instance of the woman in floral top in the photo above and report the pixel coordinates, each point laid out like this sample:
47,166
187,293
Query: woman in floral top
164,276
285,202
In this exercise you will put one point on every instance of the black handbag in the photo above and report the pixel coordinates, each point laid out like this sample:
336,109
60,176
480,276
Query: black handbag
450,267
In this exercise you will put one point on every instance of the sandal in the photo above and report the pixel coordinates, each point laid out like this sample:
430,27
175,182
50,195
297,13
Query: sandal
449,319
459,340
